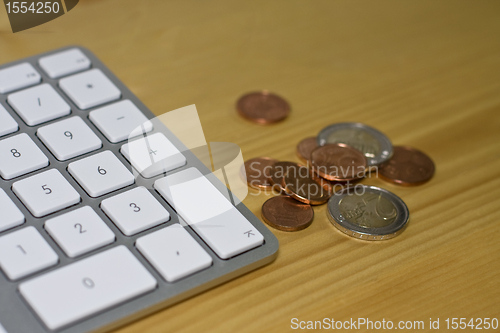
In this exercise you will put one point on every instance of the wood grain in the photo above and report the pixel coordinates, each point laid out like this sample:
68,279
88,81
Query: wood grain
426,73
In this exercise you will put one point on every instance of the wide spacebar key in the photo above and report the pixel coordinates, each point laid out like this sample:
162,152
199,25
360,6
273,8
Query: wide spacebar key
81,289
209,213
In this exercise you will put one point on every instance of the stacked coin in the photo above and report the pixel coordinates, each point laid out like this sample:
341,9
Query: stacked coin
339,156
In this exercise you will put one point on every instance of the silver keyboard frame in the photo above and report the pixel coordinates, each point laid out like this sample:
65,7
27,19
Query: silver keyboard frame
17,316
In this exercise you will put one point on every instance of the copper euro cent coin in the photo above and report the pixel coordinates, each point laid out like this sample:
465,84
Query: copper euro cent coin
338,162
306,147
286,214
300,184
376,147
256,172
408,167
263,107
368,213
278,171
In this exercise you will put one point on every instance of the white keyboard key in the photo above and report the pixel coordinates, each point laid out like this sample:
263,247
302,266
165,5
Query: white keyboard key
19,155
64,63
38,104
173,252
79,231
120,121
17,77
209,213
88,286
25,252
135,211
7,123
69,138
89,89
46,193
11,215
101,173
153,155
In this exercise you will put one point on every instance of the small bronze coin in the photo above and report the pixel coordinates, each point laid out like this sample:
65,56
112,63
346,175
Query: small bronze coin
408,167
300,184
285,213
257,172
263,107
338,162
278,171
305,148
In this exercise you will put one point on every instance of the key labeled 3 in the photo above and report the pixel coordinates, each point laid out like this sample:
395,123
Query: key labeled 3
135,211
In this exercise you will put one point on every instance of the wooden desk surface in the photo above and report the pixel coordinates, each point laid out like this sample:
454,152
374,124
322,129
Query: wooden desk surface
426,73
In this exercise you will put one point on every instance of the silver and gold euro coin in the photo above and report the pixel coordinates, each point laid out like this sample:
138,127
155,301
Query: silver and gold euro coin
368,212
376,147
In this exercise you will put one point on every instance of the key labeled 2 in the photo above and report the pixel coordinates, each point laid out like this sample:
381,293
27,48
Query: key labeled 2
79,231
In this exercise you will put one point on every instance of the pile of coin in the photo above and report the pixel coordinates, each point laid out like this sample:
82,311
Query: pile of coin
334,161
